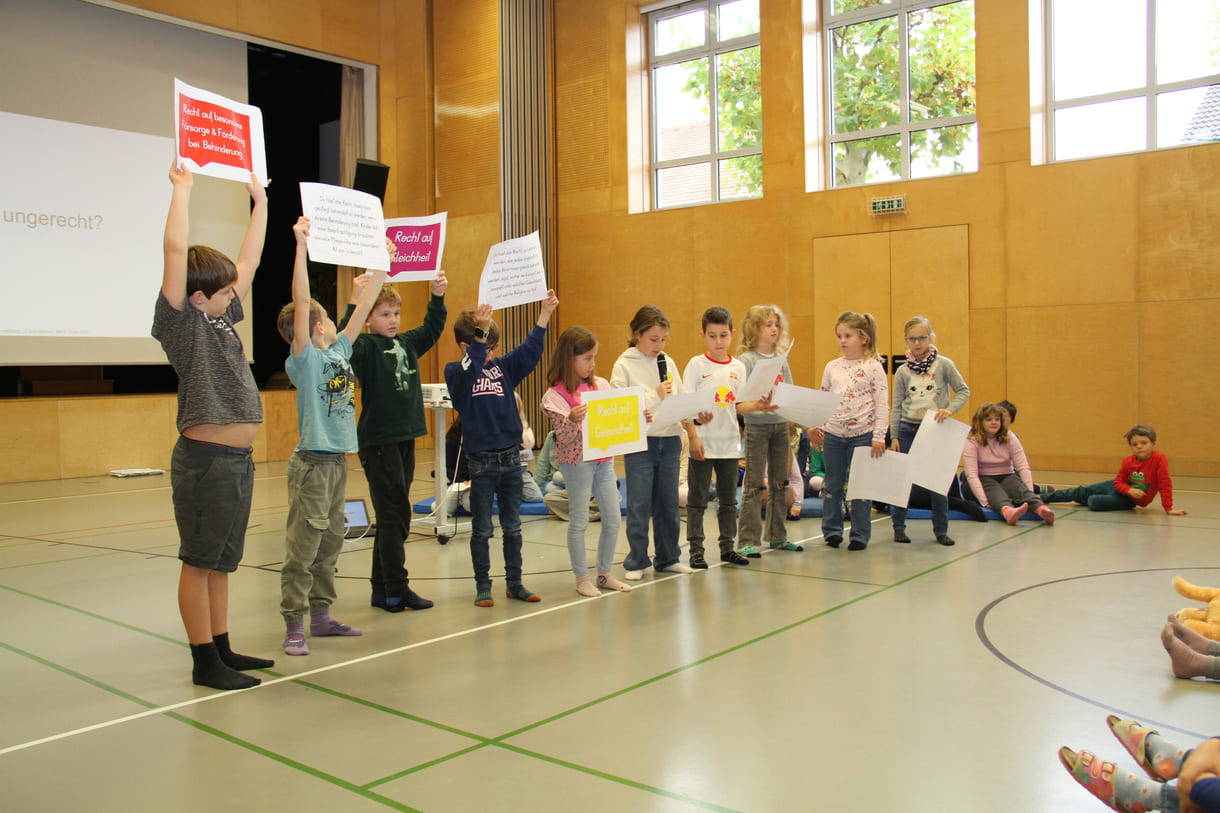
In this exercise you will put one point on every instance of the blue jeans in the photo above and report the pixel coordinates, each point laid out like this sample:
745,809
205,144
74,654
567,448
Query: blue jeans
495,474
837,452
599,480
652,493
940,502
1101,496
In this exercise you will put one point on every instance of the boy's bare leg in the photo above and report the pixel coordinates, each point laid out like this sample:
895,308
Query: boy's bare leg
203,601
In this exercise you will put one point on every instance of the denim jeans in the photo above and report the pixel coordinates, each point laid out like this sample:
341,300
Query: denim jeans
652,493
495,474
838,452
699,478
597,479
1101,496
940,502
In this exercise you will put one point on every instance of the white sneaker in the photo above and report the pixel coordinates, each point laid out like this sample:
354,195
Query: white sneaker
634,575
676,567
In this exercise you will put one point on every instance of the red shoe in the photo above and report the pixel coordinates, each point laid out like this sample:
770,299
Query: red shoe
1011,515
1048,516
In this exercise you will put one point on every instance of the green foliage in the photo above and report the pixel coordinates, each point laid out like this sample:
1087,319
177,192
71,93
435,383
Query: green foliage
738,108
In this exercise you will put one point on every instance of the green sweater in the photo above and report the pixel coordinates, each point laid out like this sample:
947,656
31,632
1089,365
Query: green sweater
391,398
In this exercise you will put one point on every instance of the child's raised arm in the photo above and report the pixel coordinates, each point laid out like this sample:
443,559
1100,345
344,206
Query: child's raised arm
300,289
368,296
252,244
177,235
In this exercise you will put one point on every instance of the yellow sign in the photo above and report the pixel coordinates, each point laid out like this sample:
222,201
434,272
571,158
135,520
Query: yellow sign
614,423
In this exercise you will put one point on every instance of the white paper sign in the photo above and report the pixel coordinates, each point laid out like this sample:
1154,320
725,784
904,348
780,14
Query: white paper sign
936,451
421,244
513,273
885,479
680,407
346,227
614,424
218,136
805,406
764,376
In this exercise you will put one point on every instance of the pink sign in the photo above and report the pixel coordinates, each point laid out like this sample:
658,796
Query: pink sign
420,242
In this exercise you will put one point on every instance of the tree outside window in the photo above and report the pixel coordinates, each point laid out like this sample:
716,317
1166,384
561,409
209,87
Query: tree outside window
706,89
902,89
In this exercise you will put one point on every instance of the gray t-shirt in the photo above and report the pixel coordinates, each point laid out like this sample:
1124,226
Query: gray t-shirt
215,384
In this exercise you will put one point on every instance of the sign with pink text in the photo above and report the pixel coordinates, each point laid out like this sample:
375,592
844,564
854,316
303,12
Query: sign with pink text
421,244
218,136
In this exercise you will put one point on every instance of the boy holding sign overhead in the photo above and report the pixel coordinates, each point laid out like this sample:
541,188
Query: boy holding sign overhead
320,369
212,470
482,388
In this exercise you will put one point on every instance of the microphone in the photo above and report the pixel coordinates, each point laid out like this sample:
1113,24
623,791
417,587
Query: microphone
661,368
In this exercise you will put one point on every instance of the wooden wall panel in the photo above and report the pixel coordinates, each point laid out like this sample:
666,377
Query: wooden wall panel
1177,343
1070,371
850,273
100,434
988,379
1179,244
30,442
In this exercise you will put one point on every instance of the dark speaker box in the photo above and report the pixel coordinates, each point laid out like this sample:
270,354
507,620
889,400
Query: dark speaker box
371,177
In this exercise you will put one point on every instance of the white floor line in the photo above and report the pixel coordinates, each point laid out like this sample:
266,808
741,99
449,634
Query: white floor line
320,670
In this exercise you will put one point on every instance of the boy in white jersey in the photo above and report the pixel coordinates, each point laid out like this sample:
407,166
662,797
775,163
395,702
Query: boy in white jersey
714,446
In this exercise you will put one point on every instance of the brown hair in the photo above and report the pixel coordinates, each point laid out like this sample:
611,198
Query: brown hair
463,330
865,325
646,317
1142,429
981,414
573,342
286,321
208,270
388,293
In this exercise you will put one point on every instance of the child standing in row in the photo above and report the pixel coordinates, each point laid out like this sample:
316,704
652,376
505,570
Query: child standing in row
652,475
320,369
920,385
212,470
997,469
714,445
571,372
764,332
482,388
858,422
391,418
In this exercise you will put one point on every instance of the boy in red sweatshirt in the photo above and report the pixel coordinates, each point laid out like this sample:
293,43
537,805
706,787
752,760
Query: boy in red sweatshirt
1143,474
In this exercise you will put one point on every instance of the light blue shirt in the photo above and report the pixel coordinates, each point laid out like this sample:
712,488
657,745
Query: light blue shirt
326,397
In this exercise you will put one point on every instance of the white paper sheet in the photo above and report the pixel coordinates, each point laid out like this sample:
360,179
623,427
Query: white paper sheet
346,227
421,245
763,378
936,451
681,407
513,273
614,424
885,479
217,136
805,406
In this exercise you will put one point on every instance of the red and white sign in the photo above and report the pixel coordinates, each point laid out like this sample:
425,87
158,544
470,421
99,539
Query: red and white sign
218,136
421,244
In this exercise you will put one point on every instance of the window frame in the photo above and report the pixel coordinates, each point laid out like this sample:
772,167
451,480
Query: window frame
1148,92
711,49
905,127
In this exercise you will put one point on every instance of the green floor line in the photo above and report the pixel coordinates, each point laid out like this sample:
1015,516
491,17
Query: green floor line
758,639
810,576
63,670
94,616
572,766
62,561
425,765
351,787
394,712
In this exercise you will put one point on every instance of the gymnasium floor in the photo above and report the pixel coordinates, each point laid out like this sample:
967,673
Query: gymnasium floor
901,678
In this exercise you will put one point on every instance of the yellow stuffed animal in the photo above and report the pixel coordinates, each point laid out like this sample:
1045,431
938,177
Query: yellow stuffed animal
1205,621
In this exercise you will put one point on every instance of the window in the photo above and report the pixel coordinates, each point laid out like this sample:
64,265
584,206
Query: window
900,80
706,90
1145,74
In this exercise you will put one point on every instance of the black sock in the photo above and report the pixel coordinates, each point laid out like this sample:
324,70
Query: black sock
211,671
233,660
